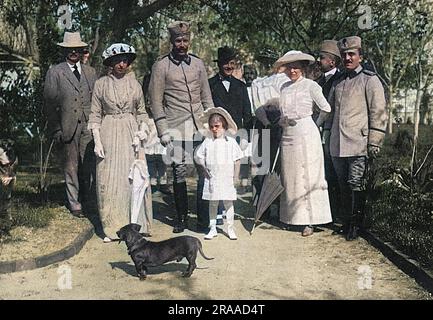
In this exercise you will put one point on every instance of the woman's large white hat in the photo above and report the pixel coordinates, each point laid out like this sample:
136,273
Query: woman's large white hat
204,119
292,56
72,40
116,49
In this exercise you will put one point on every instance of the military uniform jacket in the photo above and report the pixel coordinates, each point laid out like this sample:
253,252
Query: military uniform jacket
359,113
235,101
66,98
179,93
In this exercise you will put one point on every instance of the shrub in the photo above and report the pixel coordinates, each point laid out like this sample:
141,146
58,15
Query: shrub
24,215
406,220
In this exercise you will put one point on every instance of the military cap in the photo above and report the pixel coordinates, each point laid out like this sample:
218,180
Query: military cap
331,47
349,44
178,29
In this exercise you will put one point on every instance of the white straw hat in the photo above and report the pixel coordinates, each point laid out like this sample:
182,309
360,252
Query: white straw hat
292,56
72,40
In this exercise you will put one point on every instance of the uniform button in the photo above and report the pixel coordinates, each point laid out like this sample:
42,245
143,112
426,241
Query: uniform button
75,111
79,121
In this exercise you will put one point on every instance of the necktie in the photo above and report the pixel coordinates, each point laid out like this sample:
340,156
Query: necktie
77,74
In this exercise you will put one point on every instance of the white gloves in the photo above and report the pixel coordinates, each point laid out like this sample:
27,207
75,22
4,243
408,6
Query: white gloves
243,144
99,149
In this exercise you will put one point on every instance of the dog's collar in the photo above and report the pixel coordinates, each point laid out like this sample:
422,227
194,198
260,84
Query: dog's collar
136,246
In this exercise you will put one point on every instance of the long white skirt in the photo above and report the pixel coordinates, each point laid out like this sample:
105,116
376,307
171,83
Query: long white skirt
305,198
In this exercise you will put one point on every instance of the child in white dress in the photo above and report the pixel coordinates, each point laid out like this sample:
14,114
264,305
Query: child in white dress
219,155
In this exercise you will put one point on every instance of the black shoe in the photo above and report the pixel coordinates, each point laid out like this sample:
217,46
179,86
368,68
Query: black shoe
164,188
341,230
179,227
352,233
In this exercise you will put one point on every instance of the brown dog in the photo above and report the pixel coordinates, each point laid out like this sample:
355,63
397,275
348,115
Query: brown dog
150,254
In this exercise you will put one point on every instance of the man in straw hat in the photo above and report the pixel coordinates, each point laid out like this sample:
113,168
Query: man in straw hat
179,92
67,92
329,60
358,131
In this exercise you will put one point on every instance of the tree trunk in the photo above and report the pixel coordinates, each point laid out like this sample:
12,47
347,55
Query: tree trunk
390,107
419,93
405,104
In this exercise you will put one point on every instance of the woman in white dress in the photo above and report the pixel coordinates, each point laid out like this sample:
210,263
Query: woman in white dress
117,113
305,199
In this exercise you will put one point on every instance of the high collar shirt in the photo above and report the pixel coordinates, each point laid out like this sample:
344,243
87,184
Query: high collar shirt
71,66
298,98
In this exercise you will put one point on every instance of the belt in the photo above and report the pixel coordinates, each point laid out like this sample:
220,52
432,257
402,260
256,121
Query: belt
118,115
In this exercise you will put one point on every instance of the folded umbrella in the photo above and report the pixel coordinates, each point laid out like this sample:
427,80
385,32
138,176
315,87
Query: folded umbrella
270,190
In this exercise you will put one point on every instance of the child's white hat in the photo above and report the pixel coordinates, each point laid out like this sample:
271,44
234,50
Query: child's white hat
204,119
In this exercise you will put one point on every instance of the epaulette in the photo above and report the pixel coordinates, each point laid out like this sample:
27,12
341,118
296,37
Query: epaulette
162,57
191,54
369,72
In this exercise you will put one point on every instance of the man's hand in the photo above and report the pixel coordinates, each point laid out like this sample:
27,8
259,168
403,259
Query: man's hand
236,181
326,134
58,136
165,139
373,151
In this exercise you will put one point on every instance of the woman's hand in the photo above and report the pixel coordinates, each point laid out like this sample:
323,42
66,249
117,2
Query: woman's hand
99,149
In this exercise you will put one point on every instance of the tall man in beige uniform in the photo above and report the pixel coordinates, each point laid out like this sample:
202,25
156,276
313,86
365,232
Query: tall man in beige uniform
358,130
179,93
68,93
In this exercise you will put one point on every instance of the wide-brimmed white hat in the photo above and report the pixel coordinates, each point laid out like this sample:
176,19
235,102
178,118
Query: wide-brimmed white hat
292,56
204,119
72,40
116,49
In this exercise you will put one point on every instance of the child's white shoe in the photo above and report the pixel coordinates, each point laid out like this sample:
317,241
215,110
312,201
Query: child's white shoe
213,231
230,214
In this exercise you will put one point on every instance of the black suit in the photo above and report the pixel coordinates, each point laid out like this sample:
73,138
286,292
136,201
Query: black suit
330,174
235,101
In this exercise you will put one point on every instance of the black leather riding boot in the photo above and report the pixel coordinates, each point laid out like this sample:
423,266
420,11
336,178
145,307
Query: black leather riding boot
181,202
345,211
357,216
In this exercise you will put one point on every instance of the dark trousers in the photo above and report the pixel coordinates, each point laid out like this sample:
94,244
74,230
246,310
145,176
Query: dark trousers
351,178
332,180
79,166
180,155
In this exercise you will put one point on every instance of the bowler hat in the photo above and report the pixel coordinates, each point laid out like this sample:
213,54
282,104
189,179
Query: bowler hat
225,54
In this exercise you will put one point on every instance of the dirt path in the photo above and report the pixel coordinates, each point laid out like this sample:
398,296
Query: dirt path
270,264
